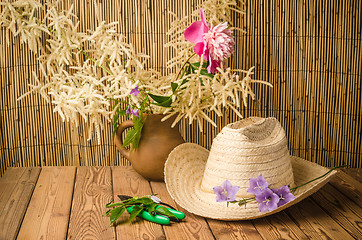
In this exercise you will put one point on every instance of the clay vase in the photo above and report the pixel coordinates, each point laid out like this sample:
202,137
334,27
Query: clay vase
157,140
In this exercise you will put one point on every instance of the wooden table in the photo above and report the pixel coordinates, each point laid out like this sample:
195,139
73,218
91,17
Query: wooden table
68,202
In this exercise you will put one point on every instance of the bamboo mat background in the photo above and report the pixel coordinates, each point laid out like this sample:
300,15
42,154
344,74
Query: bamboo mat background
309,50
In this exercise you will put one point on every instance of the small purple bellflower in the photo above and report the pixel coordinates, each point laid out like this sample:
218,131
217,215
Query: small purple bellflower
284,195
268,200
226,192
135,91
128,110
134,113
257,185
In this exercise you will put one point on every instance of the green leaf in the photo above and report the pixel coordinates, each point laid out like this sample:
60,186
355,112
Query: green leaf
165,211
108,212
196,65
203,71
116,213
114,204
174,86
136,140
131,201
206,73
152,208
137,127
158,99
166,103
145,201
129,137
137,201
162,100
122,112
138,122
136,210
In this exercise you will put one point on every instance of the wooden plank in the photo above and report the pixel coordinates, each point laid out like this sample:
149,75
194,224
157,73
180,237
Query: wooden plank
349,186
127,182
278,226
16,188
48,211
342,209
233,230
192,227
315,222
355,173
92,191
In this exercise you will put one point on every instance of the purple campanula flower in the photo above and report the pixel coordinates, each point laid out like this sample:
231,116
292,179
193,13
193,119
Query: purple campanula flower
257,185
284,195
268,200
226,192
128,110
135,113
135,91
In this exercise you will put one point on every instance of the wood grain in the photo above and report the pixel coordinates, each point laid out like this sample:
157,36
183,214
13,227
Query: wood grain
348,186
355,173
92,191
48,211
278,226
315,222
127,182
42,211
342,209
16,188
192,227
233,230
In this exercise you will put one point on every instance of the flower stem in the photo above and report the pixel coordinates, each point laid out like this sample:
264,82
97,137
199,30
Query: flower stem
295,188
130,73
179,72
247,200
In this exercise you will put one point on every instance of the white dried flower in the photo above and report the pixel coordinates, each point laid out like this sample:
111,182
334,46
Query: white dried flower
77,87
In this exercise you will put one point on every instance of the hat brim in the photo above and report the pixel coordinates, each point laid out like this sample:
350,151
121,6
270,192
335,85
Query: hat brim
184,170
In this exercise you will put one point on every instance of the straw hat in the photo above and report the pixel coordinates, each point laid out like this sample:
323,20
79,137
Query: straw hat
242,150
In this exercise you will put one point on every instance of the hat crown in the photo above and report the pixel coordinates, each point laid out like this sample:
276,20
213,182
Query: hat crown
246,149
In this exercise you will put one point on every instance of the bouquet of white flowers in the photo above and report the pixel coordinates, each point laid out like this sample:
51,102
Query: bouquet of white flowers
97,74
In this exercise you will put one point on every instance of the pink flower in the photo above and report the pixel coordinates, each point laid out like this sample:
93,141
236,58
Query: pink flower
215,43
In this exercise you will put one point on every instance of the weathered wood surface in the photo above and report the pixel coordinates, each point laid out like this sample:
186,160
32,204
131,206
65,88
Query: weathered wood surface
69,203
92,191
128,182
194,228
48,211
16,188
355,173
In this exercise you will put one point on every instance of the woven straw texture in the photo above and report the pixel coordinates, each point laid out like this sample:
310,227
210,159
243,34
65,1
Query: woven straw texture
309,50
185,178
246,149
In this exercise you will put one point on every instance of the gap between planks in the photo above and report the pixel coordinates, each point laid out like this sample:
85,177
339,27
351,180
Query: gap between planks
93,189
17,185
48,212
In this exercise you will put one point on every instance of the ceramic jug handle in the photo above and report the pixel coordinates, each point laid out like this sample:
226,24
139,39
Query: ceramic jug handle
118,138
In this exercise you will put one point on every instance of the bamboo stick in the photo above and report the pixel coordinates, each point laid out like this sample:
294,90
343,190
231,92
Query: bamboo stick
309,50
